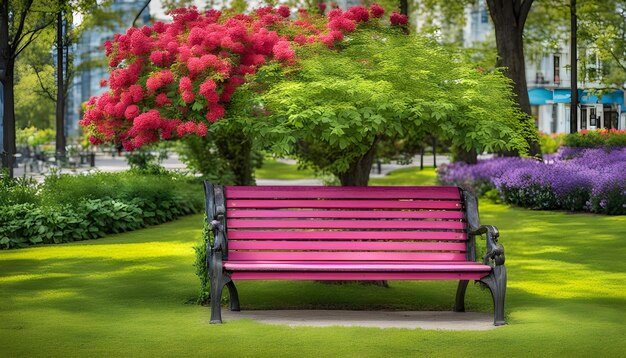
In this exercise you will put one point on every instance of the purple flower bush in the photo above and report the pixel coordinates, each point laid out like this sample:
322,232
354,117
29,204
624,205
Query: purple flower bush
592,179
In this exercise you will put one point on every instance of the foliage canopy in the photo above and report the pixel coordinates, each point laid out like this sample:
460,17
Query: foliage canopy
384,84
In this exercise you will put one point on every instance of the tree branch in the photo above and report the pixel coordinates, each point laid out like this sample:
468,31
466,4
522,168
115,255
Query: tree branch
617,59
43,88
140,12
524,10
491,5
18,34
33,36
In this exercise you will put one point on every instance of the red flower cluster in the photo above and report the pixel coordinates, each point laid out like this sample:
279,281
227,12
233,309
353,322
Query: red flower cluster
377,10
166,79
398,19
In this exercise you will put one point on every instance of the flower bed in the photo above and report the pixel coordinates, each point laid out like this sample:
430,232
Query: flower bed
575,179
596,138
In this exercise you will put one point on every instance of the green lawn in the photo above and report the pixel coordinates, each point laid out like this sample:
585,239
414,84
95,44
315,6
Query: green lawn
273,169
408,176
129,294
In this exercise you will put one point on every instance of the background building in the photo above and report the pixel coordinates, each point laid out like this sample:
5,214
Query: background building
549,85
89,49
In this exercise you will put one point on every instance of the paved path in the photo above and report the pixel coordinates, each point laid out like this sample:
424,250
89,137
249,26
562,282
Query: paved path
440,320
106,163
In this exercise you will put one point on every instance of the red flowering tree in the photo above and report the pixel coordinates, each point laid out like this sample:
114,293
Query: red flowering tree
175,80
172,80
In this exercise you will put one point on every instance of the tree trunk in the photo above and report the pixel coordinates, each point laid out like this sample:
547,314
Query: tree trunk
404,7
359,172
60,113
573,68
7,65
508,19
236,148
466,156
8,118
358,175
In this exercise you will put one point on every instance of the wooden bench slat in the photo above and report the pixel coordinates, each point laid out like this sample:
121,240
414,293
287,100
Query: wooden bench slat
338,235
321,276
359,266
344,224
307,192
357,214
345,204
373,262
346,256
346,245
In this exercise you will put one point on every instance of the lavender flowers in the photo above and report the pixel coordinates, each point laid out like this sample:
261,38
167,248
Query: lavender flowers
591,179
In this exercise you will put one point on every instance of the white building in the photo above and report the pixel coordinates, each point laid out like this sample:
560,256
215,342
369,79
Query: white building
549,85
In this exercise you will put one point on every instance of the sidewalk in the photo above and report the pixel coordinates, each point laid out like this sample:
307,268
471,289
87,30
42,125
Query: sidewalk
104,163
439,320
107,163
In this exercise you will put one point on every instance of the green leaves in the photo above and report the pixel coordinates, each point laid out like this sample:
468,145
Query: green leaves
384,85
72,208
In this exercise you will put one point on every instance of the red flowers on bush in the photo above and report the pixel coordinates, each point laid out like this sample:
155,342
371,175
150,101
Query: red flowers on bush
398,19
173,79
377,10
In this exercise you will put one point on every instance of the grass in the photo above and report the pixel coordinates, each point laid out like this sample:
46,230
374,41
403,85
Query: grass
131,295
407,176
273,169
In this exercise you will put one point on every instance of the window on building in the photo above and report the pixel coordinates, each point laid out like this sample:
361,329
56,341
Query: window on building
553,122
593,122
557,69
610,118
484,17
534,111
583,118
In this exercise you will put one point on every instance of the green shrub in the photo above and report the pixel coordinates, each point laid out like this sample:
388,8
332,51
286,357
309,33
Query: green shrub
148,160
596,138
70,208
71,189
533,196
550,143
18,190
201,264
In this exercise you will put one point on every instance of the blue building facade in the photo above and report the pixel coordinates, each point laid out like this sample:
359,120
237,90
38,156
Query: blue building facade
90,48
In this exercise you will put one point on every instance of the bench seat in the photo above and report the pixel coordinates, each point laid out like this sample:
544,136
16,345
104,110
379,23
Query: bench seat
349,233
351,266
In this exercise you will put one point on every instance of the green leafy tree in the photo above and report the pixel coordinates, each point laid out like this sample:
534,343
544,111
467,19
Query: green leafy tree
601,32
21,22
32,106
24,23
333,109
509,20
228,154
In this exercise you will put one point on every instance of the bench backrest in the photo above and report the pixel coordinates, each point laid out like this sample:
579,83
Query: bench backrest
313,223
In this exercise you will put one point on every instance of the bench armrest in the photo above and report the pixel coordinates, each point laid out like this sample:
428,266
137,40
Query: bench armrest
495,250
216,215
220,238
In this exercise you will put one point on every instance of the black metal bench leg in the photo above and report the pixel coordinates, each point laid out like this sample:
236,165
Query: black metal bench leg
496,281
234,296
459,304
216,296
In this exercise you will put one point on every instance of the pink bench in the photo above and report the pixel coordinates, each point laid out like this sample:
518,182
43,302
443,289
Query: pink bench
349,233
